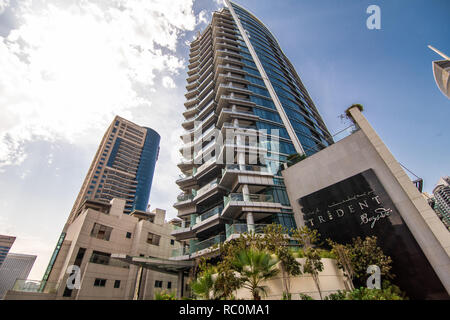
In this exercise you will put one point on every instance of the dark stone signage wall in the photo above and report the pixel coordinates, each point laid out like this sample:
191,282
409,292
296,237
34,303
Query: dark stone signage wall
359,206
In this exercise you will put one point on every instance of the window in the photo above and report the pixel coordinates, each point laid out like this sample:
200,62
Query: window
128,236
117,284
172,242
100,257
169,285
153,239
99,282
158,284
79,257
100,231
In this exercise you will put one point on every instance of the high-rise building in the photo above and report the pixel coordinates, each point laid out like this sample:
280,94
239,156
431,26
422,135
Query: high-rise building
246,112
122,170
442,200
15,267
6,243
123,167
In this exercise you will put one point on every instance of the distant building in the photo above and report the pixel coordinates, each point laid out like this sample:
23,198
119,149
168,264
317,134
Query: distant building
123,167
441,71
16,266
442,200
6,243
99,232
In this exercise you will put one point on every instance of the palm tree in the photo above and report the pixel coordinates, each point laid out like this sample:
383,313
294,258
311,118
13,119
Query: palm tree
255,266
203,286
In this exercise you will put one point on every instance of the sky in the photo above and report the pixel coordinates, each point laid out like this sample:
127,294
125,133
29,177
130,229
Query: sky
68,67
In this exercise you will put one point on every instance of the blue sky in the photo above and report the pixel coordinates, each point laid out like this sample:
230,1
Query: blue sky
66,72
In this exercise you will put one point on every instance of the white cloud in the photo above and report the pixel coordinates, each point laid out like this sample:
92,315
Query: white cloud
3,5
202,17
70,67
168,82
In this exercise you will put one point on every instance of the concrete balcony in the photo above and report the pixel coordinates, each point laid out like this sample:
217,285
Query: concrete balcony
225,68
234,174
198,223
227,115
184,199
237,203
227,77
189,123
223,89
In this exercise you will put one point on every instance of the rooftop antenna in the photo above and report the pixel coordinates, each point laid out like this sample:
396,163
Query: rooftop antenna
439,53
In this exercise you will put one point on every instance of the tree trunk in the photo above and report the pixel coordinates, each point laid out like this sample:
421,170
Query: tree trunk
315,277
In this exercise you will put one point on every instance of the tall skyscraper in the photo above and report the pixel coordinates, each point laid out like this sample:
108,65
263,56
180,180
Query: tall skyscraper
246,112
6,243
16,267
442,200
123,167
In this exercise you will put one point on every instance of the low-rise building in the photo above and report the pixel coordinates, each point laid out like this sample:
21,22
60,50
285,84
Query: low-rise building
82,266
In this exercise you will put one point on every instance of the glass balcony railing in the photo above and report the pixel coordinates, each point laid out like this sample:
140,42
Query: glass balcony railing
243,228
180,252
34,286
210,213
198,246
185,197
187,226
208,187
245,167
206,164
248,198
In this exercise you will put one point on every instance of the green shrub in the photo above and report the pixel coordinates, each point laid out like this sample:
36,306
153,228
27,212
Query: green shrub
164,295
305,297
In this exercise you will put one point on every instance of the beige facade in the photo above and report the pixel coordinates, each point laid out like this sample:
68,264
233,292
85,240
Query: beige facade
331,279
365,150
102,230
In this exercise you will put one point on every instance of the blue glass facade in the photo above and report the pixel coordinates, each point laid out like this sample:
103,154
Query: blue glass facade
255,89
300,110
146,169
